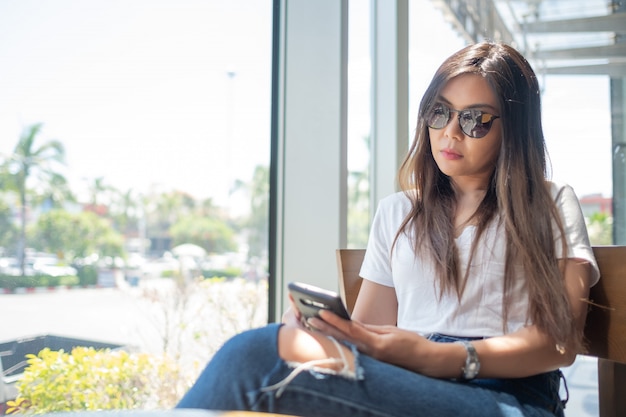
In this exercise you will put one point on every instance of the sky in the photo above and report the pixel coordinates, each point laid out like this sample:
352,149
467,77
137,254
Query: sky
173,93
176,93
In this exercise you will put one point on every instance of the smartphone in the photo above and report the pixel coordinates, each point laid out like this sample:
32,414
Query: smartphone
311,299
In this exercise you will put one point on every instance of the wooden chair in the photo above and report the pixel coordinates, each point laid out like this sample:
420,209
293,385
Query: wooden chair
605,329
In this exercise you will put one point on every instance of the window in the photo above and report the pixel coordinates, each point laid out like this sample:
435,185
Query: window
161,110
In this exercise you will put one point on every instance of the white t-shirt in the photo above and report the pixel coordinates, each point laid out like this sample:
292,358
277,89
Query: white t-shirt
479,311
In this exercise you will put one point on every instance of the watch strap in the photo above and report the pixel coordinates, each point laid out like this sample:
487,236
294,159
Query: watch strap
472,364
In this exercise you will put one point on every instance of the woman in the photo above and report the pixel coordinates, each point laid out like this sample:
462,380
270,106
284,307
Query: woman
479,249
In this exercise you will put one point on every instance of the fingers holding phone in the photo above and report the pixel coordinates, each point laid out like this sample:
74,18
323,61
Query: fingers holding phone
308,300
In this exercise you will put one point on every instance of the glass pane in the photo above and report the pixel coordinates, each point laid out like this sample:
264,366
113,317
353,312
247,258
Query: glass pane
359,123
582,140
152,235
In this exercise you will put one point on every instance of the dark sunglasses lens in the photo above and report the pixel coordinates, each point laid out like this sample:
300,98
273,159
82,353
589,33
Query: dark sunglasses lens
438,117
475,123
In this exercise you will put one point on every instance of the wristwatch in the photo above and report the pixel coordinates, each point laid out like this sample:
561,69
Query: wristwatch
472,364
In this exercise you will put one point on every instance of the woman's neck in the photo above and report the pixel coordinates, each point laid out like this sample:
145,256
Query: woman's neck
470,189
469,196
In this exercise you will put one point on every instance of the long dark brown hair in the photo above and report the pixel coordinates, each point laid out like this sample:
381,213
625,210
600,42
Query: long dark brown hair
517,193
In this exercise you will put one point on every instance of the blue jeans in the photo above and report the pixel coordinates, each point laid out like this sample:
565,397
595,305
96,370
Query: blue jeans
234,380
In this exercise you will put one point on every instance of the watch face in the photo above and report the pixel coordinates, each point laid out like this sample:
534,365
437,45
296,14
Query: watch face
471,369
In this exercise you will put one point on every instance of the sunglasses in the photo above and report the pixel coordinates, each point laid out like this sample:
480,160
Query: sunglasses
474,123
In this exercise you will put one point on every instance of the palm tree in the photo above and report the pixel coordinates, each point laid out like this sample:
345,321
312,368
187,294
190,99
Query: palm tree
55,193
161,211
257,221
29,161
101,195
125,211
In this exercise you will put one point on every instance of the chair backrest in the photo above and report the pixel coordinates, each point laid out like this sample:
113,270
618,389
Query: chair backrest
605,329
349,264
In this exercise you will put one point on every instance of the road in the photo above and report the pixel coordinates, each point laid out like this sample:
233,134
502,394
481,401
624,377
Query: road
106,314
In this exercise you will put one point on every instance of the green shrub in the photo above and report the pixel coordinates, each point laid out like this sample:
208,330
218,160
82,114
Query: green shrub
87,274
231,272
89,379
169,273
11,282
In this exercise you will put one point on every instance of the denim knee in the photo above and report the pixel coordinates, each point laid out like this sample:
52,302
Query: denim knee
238,368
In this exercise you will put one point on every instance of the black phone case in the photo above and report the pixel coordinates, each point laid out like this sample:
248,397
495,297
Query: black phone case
310,299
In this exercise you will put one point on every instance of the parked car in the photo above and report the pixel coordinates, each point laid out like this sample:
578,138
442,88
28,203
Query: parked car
11,266
39,264
50,266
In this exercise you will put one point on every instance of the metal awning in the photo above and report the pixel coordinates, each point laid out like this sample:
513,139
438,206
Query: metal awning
564,36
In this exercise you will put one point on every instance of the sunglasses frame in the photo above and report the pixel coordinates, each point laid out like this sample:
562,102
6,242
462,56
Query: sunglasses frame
489,123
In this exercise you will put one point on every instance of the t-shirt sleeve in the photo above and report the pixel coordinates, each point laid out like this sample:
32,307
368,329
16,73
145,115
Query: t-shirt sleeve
577,238
376,265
